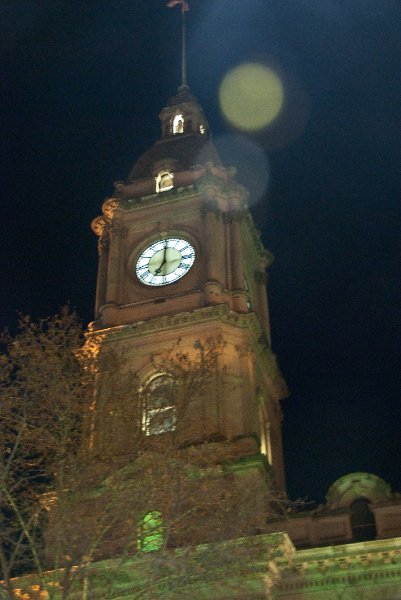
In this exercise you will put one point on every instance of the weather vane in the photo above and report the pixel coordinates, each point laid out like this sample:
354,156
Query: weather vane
184,8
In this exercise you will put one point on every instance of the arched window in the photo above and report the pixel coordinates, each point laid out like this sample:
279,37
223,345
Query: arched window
164,181
159,409
178,124
151,532
362,520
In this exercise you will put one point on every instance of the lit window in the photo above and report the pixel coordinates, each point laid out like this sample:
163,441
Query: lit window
202,129
150,532
178,124
159,410
248,300
164,181
267,442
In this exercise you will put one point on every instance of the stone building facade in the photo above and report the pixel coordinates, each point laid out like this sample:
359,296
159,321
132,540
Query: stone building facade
180,259
179,189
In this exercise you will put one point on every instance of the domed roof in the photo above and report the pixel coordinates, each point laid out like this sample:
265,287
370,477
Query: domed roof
357,485
184,139
186,151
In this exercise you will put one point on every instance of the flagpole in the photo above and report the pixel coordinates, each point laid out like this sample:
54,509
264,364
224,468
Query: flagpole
184,9
184,82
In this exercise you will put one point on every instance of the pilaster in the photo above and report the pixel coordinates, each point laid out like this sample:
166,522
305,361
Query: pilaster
261,283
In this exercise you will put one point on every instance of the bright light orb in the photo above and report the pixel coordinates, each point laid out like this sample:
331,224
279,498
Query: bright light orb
251,96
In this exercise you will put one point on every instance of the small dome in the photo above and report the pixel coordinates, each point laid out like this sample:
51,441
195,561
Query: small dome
186,152
353,486
184,138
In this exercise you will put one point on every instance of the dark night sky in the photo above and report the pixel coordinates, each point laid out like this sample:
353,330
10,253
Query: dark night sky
82,85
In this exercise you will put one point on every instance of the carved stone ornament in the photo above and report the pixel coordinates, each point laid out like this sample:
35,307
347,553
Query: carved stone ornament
211,314
210,205
116,227
238,195
210,185
109,207
99,224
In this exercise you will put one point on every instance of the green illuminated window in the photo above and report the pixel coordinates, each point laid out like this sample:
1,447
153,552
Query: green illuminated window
150,532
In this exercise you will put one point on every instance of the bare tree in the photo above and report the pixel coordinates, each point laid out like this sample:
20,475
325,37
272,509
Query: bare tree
75,498
44,390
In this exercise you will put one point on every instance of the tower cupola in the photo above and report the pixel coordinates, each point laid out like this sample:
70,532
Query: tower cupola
184,144
183,116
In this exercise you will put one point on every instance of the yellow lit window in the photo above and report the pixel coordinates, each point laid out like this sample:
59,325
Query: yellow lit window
164,181
178,124
159,410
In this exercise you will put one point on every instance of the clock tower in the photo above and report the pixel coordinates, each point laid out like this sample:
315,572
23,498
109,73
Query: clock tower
180,258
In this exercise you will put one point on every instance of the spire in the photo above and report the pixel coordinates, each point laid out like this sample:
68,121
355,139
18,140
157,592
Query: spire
184,8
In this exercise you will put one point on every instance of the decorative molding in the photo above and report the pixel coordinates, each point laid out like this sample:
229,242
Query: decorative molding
210,185
356,485
168,197
99,224
204,316
116,227
109,206
238,195
210,204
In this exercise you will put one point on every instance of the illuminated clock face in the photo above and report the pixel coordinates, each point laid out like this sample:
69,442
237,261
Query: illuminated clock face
165,261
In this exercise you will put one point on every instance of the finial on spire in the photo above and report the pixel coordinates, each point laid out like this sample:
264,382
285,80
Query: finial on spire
184,9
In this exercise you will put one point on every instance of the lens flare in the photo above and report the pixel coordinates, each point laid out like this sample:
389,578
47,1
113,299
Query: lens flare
250,161
251,96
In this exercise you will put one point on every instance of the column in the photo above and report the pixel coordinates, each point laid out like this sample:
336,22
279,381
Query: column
100,226
261,282
113,270
214,251
103,250
237,262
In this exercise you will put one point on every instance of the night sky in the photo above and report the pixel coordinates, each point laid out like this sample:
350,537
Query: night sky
82,85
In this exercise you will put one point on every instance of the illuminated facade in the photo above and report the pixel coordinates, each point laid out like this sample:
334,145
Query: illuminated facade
179,257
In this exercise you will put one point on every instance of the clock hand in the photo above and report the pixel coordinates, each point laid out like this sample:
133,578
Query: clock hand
158,270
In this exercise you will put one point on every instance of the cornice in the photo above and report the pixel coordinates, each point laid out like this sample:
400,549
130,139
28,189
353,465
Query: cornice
167,197
206,315
201,316
352,564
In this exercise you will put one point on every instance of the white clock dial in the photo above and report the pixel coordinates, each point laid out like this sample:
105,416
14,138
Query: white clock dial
165,261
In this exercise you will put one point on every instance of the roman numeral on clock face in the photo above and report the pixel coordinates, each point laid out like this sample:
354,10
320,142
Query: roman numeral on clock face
165,261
